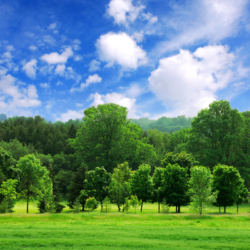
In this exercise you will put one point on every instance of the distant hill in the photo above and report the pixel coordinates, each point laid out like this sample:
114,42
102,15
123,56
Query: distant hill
164,124
3,117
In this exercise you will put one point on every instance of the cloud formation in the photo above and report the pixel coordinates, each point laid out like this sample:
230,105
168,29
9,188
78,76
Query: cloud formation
55,58
116,98
120,48
188,82
123,11
70,114
30,68
91,79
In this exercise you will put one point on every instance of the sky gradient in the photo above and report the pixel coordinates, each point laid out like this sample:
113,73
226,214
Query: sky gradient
156,57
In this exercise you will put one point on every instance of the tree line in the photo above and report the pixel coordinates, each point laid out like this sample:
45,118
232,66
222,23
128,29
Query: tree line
105,137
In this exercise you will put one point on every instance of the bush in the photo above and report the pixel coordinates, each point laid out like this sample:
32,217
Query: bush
106,205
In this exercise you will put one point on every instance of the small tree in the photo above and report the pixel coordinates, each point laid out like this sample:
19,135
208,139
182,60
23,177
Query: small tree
8,189
134,202
200,185
31,176
157,186
106,205
127,205
165,207
141,183
242,196
175,186
77,206
227,181
91,203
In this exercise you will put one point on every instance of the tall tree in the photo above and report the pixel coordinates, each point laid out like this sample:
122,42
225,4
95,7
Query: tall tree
228,182
107,138
216,134
175,186
141,183
31,176
120,184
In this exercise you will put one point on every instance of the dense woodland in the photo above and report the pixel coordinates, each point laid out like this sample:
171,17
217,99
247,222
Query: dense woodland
108,155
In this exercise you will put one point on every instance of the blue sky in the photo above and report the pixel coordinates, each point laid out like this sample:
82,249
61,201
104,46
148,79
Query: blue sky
156,57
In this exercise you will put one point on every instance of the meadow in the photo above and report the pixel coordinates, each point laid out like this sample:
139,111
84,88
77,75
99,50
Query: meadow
146,230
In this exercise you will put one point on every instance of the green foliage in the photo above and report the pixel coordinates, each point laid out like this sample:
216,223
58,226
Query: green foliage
164,124
76,186
157,186
34,179
183,159
134,202
165,207
97,183
216,135
200,185
77,206
127,205
120,184
141,183
175,186
8,190
106,205
228,182
107,138
91,203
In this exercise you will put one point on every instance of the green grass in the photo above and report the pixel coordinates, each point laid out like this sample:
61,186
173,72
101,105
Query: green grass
147,230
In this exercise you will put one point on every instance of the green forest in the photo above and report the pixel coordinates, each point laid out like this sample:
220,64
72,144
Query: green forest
109,159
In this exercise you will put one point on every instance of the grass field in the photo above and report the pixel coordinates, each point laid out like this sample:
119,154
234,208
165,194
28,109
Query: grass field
147,230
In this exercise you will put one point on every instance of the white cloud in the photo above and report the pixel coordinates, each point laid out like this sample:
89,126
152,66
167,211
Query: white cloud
122,49
60,69
138,36
116,98
3,70
52,26
91,79
79,105
15,100
59,83
10,48
188,82
123,11
76,44
204,20
32,47
148,16
49,39
70,114
77,58
45,85
30,68
55,58
134,91
94,65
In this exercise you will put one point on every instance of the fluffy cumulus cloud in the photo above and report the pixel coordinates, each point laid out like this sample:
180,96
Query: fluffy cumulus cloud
91,79
188,82
123,11
60,69
55,58
70,114
204,20
15,100
116,98
120,48
30,68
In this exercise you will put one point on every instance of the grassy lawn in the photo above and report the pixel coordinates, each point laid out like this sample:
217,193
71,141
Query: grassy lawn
147,230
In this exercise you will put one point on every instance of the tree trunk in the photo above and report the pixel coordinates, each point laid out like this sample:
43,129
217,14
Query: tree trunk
225,210
141,206
28,197
179,209
219,209
159,207
119,208
237,208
